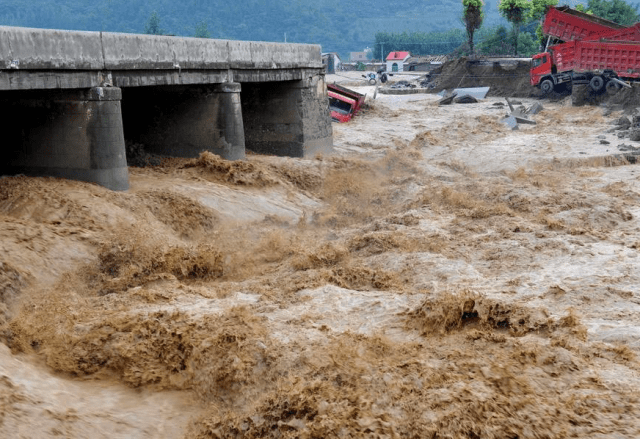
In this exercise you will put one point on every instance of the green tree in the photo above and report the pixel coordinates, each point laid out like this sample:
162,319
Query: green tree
516,12
617,11
153,25
496,42
539,8
527,45
202,30
472,17
418,43
537,11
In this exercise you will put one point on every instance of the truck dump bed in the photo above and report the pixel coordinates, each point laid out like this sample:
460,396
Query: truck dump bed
623,57
631,33
567,24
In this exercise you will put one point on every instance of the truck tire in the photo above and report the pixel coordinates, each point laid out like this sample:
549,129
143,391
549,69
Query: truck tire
372,81
612,87
383,78
546,86
596,83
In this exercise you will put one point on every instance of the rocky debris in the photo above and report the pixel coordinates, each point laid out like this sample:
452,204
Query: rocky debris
403,84
609,109
604,142
622,122
426,82
581,94
138,157
628,148
634,134
465,99
417,84
627,128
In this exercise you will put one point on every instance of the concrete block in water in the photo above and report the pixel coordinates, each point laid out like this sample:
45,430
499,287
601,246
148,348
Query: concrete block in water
535,108
447,100
520,118
510,122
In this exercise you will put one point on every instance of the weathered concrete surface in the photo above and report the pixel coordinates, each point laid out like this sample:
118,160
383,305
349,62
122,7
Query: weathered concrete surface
510,122
150,52
44,58
287,118
183,121
46,49
535,108
73,134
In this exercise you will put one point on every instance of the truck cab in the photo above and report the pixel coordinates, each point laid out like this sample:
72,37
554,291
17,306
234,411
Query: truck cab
541,66
343,102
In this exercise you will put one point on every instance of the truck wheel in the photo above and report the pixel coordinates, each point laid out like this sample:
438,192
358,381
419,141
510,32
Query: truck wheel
596,83
383,78
372,81
546,86
612,87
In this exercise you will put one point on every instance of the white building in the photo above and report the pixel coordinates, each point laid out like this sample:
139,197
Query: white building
358,56
396,60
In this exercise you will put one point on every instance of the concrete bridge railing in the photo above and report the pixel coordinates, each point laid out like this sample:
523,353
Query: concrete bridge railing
69,100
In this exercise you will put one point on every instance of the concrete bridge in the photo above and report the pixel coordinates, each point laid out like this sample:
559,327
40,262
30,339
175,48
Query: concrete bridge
68,100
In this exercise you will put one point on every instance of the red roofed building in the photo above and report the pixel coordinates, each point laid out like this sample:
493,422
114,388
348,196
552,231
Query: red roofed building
396,60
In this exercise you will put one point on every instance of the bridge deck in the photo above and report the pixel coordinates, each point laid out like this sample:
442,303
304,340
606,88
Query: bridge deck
45,59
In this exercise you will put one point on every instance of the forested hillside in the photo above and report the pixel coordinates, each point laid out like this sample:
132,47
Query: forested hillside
337,25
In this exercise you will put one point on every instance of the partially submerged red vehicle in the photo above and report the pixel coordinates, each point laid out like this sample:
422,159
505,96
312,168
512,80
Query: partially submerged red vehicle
344,103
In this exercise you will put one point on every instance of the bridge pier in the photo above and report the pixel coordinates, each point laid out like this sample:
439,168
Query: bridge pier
183,121
75,133
66,97
289,118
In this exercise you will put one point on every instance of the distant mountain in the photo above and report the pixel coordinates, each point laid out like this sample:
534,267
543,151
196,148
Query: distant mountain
338,25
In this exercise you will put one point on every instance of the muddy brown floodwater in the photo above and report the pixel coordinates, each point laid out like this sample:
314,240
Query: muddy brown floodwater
440,276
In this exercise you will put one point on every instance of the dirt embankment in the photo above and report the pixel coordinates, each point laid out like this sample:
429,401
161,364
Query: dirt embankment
505,77
510,78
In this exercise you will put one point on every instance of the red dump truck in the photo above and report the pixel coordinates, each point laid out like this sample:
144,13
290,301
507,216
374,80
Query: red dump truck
596,52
